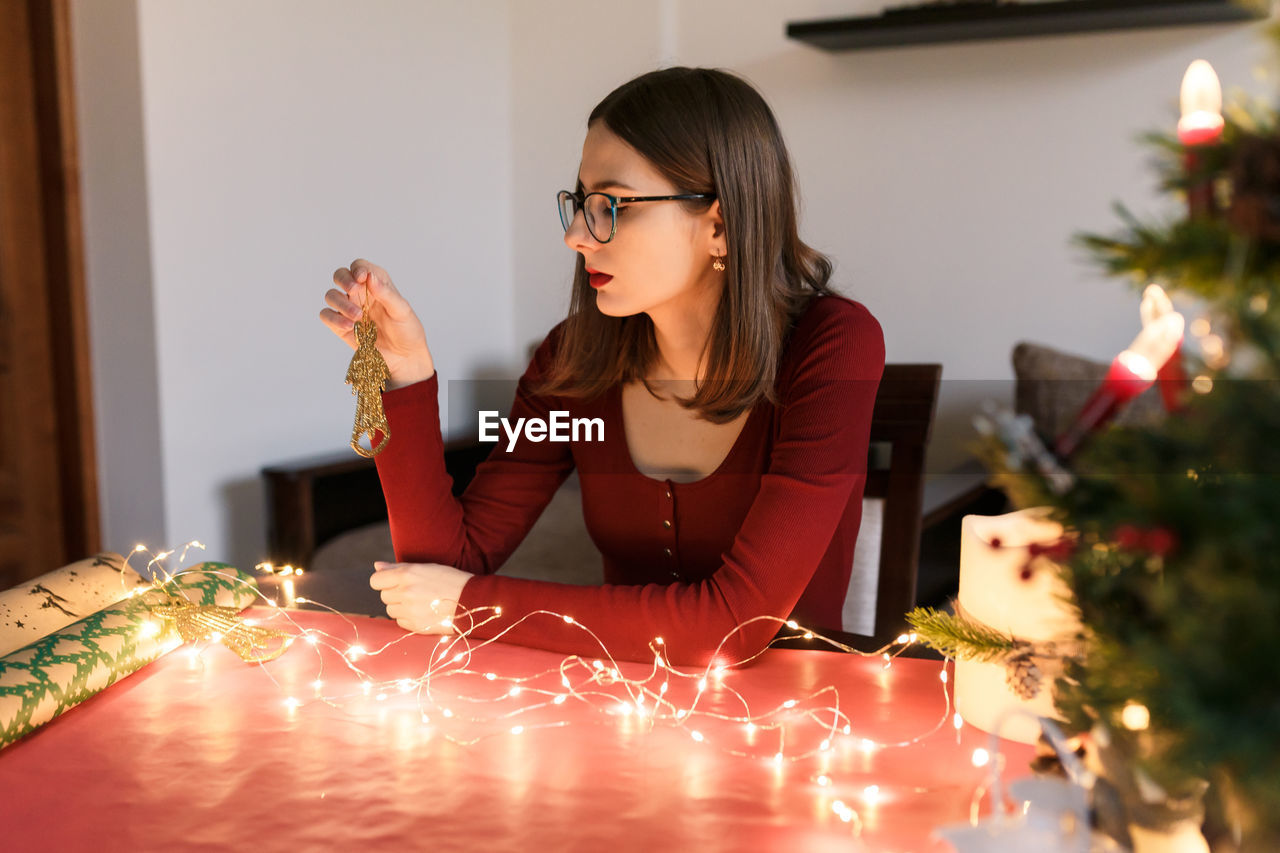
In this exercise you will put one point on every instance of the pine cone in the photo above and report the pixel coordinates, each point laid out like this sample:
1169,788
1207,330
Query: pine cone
1021,673
1255,188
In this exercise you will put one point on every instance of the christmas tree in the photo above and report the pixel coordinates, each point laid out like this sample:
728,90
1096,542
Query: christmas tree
1172,553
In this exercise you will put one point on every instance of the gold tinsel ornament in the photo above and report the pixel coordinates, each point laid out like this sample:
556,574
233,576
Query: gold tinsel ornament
199,622
367,375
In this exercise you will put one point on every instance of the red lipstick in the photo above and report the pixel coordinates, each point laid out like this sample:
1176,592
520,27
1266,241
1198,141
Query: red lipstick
598,279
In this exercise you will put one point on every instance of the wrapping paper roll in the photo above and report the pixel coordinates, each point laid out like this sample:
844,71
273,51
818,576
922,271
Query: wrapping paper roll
993,552
41,606
42,680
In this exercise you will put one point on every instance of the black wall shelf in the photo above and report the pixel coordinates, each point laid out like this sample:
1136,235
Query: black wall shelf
980,21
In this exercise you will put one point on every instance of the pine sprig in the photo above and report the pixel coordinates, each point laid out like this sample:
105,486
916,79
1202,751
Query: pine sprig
958,637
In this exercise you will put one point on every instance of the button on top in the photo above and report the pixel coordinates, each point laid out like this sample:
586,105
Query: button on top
666,522
668,494
667,551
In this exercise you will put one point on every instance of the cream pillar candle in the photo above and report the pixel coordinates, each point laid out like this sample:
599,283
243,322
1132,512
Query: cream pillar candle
993,553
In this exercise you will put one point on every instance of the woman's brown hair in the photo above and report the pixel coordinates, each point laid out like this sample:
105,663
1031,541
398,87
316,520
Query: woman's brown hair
706,131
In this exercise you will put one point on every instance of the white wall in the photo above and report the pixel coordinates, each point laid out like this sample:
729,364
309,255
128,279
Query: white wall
268,142
284,139
118,272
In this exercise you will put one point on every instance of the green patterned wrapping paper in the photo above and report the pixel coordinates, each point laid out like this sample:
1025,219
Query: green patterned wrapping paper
42,680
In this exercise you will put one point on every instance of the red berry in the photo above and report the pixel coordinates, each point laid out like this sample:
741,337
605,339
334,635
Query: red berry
1161,541
1128,537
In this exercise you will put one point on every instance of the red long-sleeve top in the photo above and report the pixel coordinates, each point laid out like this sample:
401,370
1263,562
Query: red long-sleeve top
770,532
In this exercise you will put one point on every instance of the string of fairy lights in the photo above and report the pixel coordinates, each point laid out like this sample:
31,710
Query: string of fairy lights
486,703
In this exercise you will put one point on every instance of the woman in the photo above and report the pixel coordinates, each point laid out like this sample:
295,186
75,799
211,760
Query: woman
735,391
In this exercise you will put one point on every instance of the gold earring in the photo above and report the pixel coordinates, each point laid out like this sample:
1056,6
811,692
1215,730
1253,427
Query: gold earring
718,265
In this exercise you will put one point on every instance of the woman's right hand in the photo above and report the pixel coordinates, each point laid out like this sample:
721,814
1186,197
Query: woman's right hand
401,338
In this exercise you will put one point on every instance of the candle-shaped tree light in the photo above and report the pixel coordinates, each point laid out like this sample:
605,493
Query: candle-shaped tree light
1200,126
1133,370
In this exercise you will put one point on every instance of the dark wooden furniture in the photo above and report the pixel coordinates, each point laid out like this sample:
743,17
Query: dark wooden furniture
900,427
48,468
313,500
974,20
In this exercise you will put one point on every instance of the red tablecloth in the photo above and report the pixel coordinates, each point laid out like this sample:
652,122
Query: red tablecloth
203,752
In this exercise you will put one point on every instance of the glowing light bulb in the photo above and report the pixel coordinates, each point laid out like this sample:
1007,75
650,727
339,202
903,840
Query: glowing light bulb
777,759
405,685
1135,717
790,703
215,637
942,676
957,720
751,728
902,639
515,730
824,781
149,628
568,620
514,691
355,652
489,676
702,684
871,794
981,757
1201,100
696,735
292,703
367,688
867,745
559,700
791,623
658,640
381,697
826,745
311,638
446,712
318,684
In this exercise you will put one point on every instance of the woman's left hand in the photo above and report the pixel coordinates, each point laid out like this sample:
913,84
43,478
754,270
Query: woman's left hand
421,597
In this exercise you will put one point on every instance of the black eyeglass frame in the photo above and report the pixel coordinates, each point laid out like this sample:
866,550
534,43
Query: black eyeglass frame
580,203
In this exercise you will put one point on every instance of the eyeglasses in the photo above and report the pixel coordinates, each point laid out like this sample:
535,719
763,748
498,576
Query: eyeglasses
601,209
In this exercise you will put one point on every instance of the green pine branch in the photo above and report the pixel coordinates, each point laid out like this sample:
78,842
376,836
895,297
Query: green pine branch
958,637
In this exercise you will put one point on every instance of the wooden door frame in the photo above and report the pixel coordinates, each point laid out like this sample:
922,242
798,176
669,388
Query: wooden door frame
59,235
